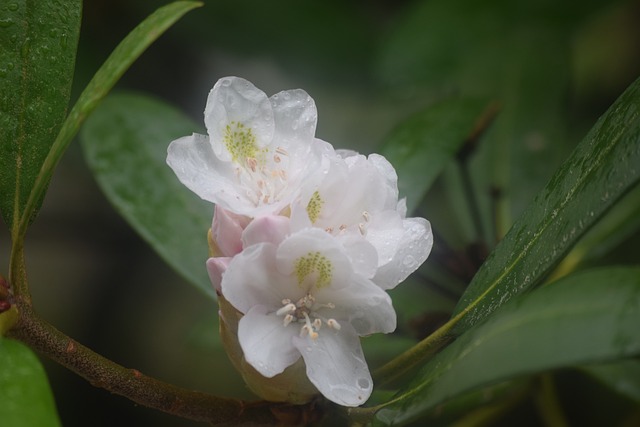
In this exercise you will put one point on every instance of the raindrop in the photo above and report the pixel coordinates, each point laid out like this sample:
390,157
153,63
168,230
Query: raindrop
53,33
13,7
408,261
3,73
363,383
4,23
225,82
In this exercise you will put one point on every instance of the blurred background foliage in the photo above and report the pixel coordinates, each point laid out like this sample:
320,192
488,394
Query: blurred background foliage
551,68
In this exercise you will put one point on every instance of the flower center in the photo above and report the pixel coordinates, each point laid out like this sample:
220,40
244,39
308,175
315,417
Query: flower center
305,312
264,179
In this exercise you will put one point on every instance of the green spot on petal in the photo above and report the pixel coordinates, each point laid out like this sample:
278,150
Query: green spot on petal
314,262
314,207
240,142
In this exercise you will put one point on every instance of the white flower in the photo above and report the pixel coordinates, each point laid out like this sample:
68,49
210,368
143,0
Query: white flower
308,294
259,151
359,196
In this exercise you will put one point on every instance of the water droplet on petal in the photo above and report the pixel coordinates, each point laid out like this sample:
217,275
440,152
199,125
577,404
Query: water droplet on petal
363,383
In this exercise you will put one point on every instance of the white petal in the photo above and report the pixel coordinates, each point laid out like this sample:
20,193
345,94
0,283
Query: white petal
336,366
345,152
267,229
195,165
252,279
233,99
362,304
385,232
413,249
216,268
266,342
386,169
295,116
363,255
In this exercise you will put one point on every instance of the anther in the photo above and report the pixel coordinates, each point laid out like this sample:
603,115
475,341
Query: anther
333,324
289,308
366,216
361,228
252,163
287,319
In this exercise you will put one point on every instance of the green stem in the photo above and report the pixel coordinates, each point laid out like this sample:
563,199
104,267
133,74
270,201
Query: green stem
144,390
18,273
416,354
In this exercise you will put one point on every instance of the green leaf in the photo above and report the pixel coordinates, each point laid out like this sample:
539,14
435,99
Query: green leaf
590,317
621,376
125,144
598,173
26,396
421,146
105,78
38,42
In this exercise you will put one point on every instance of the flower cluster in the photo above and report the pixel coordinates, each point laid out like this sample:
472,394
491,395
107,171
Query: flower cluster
305,241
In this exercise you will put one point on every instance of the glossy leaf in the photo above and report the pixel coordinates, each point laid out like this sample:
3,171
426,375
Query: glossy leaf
421,147
26,398
105,78
590,317
598,173
125,144
37,57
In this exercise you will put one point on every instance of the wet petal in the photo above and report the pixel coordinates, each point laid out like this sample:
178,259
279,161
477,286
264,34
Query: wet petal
295,116
197,168
251,279
266,342
336,366
413,249
234,101
362,304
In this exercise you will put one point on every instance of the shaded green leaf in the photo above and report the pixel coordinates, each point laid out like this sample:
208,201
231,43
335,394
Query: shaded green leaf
621,376
125,143
105,78
589,317
26,396
515,53
598,173
37,56
421,146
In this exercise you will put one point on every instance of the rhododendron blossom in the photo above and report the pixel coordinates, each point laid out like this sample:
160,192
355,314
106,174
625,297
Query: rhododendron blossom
303,296
258,153
304,243
359,196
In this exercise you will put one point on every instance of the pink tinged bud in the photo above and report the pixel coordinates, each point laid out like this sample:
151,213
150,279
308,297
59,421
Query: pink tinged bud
226,231
216,268
266,229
